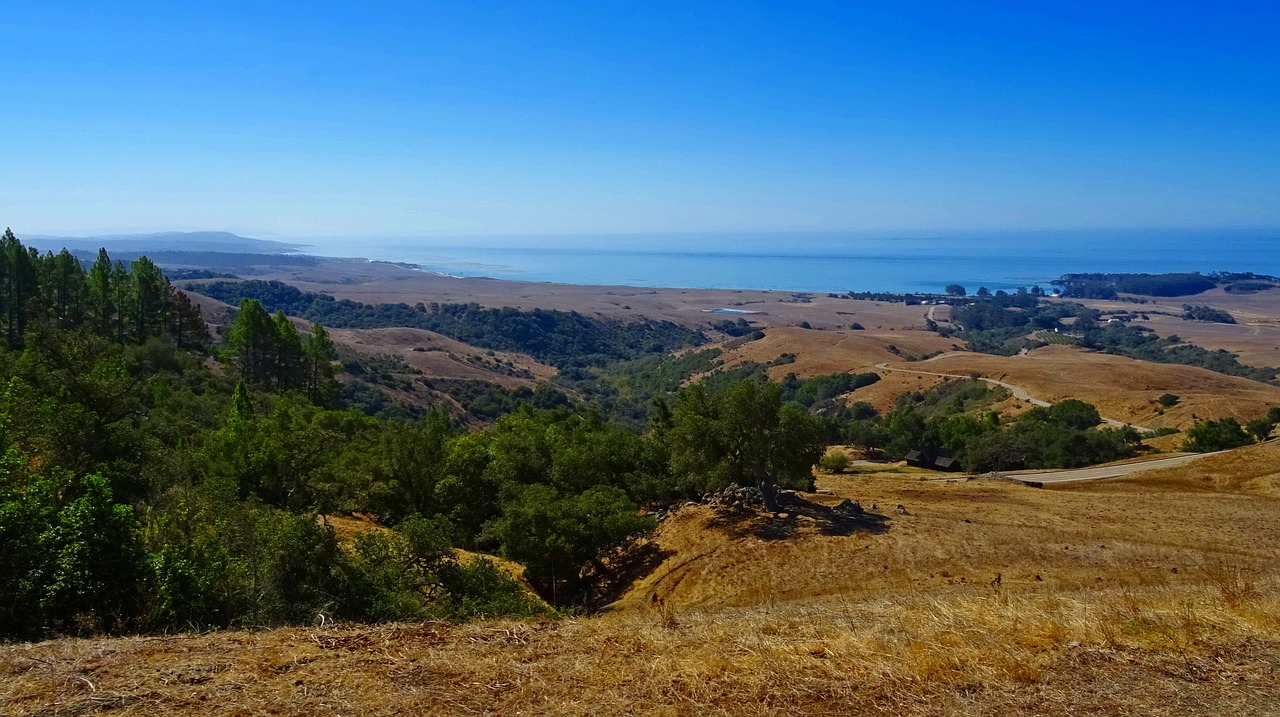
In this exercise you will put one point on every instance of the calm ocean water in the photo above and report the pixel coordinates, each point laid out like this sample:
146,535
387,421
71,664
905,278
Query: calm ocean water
825,262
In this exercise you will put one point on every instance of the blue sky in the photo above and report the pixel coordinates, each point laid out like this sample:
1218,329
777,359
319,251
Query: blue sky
308,119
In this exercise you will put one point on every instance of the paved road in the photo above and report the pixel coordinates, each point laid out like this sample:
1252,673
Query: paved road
1101,472
1018,392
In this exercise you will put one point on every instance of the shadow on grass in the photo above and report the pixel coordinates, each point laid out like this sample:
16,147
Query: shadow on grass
624,570
798,513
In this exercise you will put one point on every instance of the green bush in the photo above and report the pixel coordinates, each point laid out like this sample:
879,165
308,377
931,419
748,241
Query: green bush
558,538
1207,436
479,588
835,462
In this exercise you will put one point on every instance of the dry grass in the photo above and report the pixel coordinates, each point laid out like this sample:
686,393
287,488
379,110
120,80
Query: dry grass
1159,529
1249,471
986,652
388,283
824,352
1255,338
1121,388
1155,594
440,356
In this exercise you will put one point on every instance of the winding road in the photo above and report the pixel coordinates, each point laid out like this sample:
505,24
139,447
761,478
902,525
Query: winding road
1018,392
1074,474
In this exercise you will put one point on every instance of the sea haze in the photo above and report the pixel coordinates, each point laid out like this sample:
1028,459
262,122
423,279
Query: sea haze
824,262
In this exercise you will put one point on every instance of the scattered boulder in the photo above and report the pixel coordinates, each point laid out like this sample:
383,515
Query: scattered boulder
902,510
733,496
848,507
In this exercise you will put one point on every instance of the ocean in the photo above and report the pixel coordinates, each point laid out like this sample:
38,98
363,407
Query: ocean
823,262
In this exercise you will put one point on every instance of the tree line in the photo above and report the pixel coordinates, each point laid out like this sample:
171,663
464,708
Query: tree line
152,479
954,419
565,339
129,304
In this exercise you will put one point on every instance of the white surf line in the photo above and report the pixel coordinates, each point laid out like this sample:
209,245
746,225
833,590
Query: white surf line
1018,392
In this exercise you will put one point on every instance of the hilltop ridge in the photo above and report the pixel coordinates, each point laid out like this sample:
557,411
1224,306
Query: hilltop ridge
216,241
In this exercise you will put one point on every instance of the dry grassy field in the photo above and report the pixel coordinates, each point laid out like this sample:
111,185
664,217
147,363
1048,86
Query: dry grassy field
389,283
1121,388
1255,336
1155,594
894,333
440,356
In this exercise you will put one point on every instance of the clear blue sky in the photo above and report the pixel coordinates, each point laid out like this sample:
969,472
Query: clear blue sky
320,118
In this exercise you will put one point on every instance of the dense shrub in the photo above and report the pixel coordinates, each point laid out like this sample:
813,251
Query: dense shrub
1217,435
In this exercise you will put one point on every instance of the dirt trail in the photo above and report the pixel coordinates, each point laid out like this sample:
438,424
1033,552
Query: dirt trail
1018,392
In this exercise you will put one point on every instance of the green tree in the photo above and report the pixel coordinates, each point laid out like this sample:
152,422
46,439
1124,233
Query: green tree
1260,428
1224,433
318,353
412,462
275,457
742,434
555,536
102,294
955,290
252,340
121,299
148,291
63,289
19,285
94,561
74,403
1074,413
241,412
186,324
835,461
288,353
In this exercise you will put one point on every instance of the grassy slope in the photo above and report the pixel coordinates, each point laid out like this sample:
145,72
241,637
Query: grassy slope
763,615
1120,387
1149,595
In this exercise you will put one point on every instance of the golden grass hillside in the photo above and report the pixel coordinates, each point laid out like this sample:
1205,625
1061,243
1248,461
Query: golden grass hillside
376,283
1152,595
824,352
440,356
1122,388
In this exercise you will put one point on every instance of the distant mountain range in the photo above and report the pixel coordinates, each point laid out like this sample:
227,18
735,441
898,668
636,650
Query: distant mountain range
163,241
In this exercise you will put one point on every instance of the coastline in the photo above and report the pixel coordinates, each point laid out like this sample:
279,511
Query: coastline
823,262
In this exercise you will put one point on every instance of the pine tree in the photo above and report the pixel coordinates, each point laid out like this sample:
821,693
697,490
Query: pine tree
102,299
63,288
288,373
121,300
252,341
318,353
19,286
149,309
185,323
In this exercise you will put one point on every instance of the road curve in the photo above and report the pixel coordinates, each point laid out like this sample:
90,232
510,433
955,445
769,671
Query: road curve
1018,392
1101,472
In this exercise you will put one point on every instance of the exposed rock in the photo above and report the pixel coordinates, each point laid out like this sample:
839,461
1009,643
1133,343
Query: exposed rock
848,507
